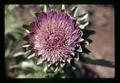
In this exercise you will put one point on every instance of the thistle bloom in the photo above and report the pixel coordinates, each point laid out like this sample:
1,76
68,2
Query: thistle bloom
54,36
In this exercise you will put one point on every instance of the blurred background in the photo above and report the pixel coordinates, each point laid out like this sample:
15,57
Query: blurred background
102,48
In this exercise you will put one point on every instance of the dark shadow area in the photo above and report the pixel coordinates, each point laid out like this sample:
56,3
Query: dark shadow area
84,49
88,72
100,62
79,72
87,33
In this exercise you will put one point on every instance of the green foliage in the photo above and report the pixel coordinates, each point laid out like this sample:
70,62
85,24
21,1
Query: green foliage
25,64
83,20
73,11
13,32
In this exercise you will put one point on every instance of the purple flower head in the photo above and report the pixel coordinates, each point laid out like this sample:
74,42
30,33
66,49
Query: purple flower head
54,36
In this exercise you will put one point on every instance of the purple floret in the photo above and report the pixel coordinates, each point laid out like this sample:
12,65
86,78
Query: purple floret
54,36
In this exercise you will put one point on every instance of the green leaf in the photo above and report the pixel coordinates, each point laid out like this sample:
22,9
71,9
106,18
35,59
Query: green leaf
10,22
27,30
40,61
39,73
82,22
78,57
45,68
7,51
87,43
45,8
31,56
27,53
79,49
26,45
27,64
63,7
21,76
81,32
69,60
73,11
62,65
56,69
18,54
82,15
83,26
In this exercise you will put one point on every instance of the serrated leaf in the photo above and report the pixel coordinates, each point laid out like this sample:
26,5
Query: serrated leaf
81,40
82,15
63,7
30,56
73,11
56,69
85,17
27,30
26,64
87,43
18,54
45,8
27,53
81,32
49,65
83,26
26,45
68,60
83,22
56,64
62,65
79,49
40,61
45,68
78,57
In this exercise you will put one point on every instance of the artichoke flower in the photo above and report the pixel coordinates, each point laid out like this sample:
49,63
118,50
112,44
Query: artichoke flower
54,36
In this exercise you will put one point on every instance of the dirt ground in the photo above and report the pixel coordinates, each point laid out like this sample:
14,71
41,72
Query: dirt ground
102,47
